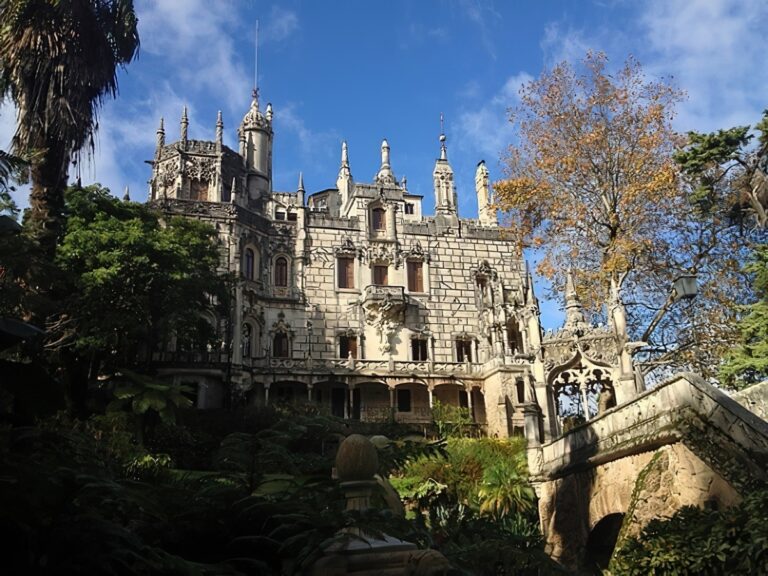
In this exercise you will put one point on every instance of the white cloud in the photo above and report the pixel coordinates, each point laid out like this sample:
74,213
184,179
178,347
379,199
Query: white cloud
199,51
486,127
280,25
715,50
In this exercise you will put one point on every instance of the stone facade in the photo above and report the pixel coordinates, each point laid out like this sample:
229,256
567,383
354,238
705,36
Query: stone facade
352,299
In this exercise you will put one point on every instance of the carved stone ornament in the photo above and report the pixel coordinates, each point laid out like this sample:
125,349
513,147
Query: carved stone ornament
281,325
200,168
167,172
347,248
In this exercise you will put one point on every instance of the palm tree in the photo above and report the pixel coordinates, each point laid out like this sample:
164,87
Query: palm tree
58,61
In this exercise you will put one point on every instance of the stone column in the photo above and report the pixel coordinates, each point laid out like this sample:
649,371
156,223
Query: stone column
309,393
584,400
390,221
429,391
266,394
469,403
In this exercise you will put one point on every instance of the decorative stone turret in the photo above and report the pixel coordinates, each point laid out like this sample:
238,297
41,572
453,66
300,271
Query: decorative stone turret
160,142
256,135
184,128
344,181
219,131
445,191
300,192
385,175
485,210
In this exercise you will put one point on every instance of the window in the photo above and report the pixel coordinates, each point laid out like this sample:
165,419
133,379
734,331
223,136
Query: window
403,400
419,349
280,346
514,338
464,350
379,219
380,273
408,208
346,272
198,190
347,346
248,269
292,216
415,276
280,215
281,271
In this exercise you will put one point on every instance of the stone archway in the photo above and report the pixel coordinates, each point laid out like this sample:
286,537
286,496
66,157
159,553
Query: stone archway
601,542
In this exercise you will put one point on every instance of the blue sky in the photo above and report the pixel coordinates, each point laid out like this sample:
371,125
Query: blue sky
365,70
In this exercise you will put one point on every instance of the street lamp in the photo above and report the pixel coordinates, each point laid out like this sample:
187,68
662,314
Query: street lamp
684,287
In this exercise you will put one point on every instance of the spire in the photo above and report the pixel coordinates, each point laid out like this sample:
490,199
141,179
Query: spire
126,195
574,314
233,192
344,180
443,148
184,125
219,130
344,155
530,295
269,112
485,211
300,192
442,177
385,175
160,136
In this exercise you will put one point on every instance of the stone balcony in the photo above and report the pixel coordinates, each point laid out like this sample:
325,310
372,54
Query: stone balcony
384,295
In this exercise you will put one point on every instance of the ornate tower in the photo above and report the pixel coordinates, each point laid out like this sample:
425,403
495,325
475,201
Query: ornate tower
256,136
445,191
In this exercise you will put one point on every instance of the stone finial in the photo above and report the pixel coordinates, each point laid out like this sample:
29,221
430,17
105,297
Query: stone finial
126,195
184,125
160,136
233,192
385,175
301,183
269,112
574,313
344,155
219,129
443,138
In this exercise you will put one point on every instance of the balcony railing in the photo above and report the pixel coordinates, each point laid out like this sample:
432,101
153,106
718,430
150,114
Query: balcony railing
381,294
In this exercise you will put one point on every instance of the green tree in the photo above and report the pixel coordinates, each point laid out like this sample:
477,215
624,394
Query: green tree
696,541
748,362
59,61
130,282
727,160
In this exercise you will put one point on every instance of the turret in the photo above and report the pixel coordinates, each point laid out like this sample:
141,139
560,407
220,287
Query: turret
385,175
485,211
184,128
445,191
255,135
219,132
344,181
300,191
160,142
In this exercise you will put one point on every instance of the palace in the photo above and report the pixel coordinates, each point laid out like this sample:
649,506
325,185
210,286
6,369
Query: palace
353,299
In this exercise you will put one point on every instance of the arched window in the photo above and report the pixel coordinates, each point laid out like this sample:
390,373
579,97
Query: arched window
281,271
249,264
281,346
379,219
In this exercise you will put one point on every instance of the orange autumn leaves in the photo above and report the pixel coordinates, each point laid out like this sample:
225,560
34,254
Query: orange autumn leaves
592,180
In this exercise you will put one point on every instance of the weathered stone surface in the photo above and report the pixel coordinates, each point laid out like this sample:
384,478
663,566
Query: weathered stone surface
683,443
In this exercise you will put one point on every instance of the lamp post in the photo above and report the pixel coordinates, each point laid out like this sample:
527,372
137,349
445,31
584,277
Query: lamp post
684,287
